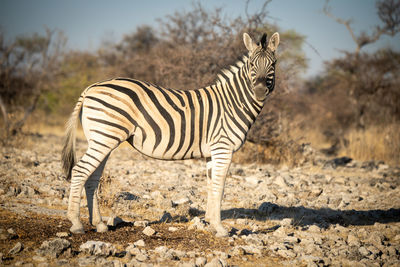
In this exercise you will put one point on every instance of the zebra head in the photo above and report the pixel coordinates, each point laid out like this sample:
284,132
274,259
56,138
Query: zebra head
261,64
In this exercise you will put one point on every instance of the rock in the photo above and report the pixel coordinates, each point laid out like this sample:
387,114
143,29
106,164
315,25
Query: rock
62,234
291,239
197,223
252,181
352,240
286,222
127,196
16,249
216,263
181,201
200,261
139,243
334,163
253,250
11,234
186,264
286,253
141,256
376,239
114,221
54,247
314,229
141,223
363,251
173,229
149,231
281,182
87,261
39,258
97,248
132,249
166,218
164,252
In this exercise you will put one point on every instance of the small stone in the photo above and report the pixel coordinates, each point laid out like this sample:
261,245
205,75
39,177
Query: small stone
178,253
173,229
186,264
281,182
286,222
200,261
252,181
11,234
286,253
133,250
166,218
141,223
314,229
292,239
139,243
141,257
180,201
197,223
238,251
88,260
363,251
375,239
149,231
16,249
216,263
39,258
352,240
62,234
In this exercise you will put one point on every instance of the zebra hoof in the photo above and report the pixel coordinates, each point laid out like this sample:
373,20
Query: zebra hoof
101,228
221,231
77,229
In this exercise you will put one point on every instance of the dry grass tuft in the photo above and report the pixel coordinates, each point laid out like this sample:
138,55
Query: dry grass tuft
374,143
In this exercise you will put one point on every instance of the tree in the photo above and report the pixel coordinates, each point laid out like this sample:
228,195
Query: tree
370,78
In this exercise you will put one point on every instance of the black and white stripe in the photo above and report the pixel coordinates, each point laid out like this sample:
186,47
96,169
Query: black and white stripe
162,123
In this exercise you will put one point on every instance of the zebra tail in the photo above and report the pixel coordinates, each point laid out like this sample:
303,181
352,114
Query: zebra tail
68,155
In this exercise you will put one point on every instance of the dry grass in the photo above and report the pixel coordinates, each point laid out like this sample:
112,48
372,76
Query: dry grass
374,143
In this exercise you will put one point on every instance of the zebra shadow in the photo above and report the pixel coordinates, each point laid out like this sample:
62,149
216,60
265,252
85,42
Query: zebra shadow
323,217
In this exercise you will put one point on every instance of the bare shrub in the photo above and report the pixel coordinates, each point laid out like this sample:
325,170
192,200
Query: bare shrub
29,66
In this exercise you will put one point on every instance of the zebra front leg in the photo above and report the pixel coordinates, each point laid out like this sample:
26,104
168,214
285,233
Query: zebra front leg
209,184
221,159
91,187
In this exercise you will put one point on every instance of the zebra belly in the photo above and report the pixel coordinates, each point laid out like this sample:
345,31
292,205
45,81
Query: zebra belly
141,143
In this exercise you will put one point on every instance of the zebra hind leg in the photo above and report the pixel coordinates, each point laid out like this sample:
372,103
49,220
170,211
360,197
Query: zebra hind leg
91,187
80,174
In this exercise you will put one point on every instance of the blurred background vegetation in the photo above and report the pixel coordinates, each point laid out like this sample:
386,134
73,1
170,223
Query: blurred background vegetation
351,109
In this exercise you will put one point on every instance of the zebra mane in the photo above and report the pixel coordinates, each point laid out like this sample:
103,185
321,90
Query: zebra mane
231,70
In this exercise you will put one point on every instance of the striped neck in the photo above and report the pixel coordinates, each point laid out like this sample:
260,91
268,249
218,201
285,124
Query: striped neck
236,78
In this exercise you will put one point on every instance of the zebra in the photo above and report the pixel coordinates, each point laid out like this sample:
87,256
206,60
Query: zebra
162,123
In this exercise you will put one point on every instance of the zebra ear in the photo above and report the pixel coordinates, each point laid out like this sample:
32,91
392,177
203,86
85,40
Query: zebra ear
248,42
273,42
263,41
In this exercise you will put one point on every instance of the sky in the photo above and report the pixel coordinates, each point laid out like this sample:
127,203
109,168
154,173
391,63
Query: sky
87,23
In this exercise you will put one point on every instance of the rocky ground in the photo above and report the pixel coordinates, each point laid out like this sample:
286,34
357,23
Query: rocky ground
325,213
